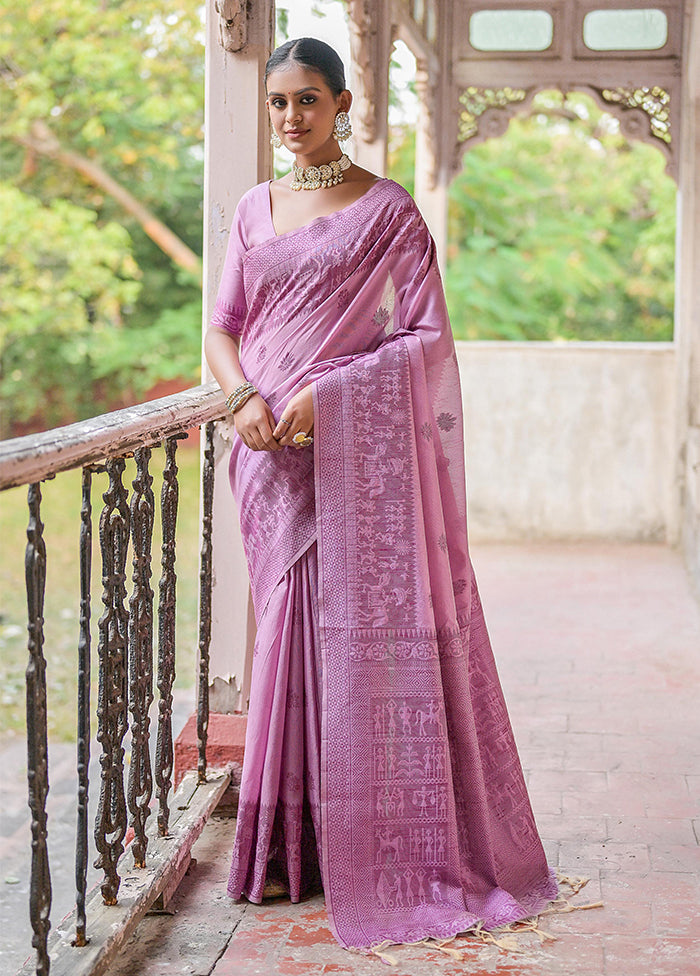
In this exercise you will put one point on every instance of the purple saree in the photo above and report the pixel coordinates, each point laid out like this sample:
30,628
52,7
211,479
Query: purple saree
379,755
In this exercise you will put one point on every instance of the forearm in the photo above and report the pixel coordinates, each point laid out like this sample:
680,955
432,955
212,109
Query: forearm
221,351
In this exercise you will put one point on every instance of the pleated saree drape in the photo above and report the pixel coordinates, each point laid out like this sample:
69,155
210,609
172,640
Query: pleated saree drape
379,757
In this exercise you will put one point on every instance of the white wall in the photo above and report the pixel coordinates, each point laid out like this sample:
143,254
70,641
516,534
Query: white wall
570,441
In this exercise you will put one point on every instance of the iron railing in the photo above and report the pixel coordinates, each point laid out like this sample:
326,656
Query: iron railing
125,652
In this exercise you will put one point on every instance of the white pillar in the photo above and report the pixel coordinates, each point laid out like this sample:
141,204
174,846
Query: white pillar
687,330
237,155
436,132
370,45
431,182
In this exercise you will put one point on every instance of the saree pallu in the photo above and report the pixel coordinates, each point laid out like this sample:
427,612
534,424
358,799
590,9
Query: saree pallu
379,748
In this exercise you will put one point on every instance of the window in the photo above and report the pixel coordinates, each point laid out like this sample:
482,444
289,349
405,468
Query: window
511,30
625,30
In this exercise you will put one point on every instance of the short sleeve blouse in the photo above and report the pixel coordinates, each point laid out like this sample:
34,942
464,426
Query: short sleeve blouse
250,226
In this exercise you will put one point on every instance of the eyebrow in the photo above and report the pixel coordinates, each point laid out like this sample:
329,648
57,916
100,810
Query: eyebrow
301,90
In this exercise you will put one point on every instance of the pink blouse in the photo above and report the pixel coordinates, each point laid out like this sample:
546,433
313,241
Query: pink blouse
252,224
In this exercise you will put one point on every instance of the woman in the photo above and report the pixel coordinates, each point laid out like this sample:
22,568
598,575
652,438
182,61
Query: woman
379,757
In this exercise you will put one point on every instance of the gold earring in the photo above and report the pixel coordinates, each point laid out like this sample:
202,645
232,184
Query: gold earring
342,129
275,140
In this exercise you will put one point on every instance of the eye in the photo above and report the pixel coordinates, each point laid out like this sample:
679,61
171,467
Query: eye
308,99
277,103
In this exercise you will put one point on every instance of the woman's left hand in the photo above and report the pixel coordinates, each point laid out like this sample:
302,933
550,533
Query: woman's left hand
297,417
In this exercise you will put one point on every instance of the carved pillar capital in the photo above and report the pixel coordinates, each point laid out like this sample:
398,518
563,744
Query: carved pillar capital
233,24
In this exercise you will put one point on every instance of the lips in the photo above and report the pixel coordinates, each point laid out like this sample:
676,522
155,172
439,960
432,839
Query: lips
294,133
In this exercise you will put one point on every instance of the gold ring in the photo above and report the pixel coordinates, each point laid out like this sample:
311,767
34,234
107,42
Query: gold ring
303,439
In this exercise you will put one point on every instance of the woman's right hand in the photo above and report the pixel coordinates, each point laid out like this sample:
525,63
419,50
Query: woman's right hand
255,425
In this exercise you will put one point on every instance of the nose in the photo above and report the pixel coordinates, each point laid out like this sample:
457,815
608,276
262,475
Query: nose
292,114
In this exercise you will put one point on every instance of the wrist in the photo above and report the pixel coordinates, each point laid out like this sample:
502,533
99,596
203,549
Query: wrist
238,397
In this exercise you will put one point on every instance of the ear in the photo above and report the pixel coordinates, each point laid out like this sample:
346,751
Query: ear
344,101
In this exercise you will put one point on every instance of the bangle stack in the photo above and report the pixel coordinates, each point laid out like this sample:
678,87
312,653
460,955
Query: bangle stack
239,396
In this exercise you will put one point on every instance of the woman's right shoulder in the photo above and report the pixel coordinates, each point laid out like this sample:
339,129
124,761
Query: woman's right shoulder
252,212
255,196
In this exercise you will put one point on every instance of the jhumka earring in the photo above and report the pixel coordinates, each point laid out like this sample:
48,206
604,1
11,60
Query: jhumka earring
342,129
275,140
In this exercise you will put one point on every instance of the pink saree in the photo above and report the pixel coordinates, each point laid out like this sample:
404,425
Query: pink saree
379,760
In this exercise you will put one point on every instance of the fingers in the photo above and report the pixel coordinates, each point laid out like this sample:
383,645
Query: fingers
289,432
282,428
260,438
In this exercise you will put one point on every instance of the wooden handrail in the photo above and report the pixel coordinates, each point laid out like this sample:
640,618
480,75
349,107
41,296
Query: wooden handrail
24,460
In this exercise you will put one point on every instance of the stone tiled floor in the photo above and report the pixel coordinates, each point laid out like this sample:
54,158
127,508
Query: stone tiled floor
599,652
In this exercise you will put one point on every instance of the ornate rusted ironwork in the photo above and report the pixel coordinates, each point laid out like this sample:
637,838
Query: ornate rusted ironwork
166,634
110,825
205,574
81,840
140,785
37,738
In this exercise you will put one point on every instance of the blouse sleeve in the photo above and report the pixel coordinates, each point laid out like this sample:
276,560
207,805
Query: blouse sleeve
230,308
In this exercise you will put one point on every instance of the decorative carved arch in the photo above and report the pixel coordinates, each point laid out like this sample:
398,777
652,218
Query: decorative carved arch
644,114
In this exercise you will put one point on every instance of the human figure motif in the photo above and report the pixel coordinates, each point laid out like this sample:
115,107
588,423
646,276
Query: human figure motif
400,808
398,894
405,716
441,844
435,888
381,803
391,708
421,796
420,878
383,891
434,715
408,875
378,717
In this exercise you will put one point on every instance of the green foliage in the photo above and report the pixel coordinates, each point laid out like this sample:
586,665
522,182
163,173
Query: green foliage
560,229
119,84
64,285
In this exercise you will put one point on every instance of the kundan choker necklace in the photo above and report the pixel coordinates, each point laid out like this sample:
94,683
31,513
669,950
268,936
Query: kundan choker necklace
317,177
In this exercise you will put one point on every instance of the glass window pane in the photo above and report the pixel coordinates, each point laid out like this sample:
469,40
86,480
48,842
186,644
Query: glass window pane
511,30
625,30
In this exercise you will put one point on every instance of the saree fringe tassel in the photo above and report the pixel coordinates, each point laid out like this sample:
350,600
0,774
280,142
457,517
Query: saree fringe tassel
505,937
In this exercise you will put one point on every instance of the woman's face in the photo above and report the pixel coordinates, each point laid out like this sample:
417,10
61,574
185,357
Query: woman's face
303,108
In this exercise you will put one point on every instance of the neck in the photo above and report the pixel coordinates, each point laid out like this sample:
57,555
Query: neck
327,152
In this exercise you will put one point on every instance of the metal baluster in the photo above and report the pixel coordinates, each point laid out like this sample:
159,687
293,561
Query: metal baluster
81,842
112,719
205,573
140,786
37,737
166,634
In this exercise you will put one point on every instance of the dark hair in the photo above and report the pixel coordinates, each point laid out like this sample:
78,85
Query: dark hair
311,53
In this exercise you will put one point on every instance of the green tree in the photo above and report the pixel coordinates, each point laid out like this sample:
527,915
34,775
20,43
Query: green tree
64,285
101,104
560,229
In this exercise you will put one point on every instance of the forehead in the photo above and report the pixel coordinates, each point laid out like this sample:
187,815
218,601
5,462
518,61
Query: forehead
291,77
